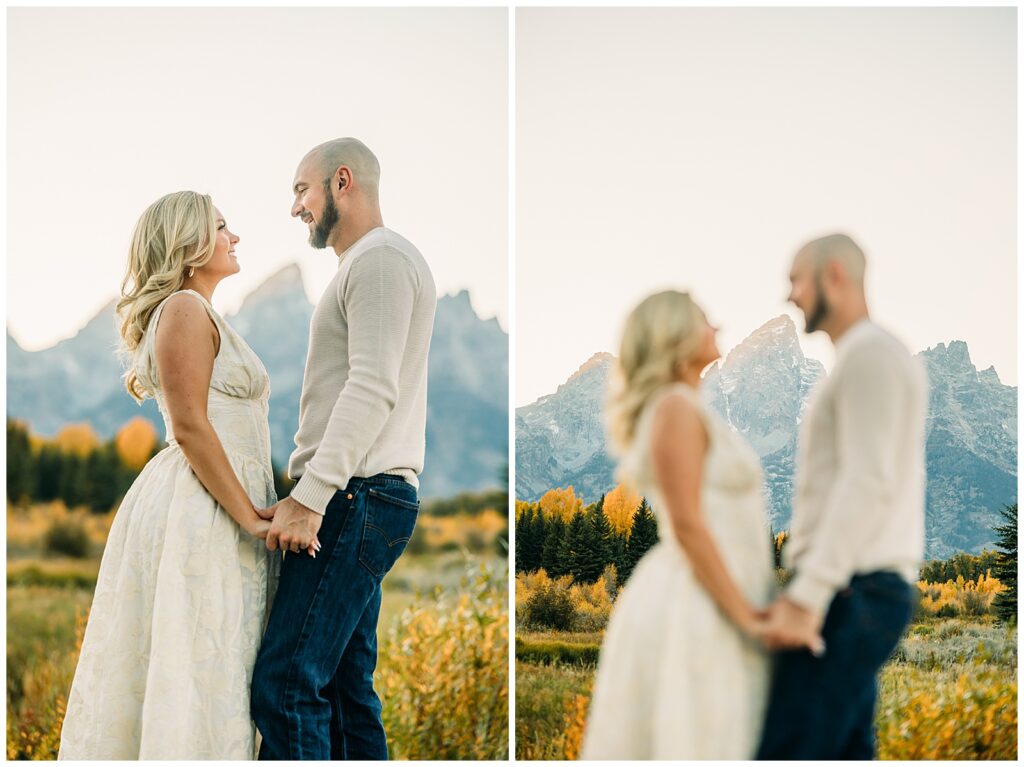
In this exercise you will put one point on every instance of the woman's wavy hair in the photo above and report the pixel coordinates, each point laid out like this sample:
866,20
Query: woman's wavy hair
661,334
174,234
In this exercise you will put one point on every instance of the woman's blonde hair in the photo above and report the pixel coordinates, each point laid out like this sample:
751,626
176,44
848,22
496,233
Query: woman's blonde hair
174,234
661,334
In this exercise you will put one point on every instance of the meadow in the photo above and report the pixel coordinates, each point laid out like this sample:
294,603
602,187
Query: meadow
948,692
443,633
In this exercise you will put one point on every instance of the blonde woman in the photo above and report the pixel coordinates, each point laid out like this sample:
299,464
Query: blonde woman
185,581
681,674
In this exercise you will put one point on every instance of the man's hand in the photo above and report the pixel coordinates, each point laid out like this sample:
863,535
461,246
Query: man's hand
790,626
294,527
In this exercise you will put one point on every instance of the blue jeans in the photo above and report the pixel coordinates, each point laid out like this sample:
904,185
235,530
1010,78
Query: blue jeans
312,686
824,708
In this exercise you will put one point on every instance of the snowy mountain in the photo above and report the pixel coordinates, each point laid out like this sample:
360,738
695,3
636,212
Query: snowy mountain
760,389
79,379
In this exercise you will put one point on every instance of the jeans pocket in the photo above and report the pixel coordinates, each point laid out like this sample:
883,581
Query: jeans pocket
390,520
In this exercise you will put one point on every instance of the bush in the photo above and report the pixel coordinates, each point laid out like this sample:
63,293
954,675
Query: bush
68,537
443,675
967,715
551,607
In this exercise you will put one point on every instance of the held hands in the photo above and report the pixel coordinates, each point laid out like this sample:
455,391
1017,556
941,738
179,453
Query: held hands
788,626
293,527
257,525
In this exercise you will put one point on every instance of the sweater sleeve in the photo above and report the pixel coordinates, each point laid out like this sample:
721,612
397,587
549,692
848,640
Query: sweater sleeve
872,405
377,301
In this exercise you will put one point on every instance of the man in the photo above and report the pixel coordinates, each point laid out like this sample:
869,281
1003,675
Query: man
857,535
359,449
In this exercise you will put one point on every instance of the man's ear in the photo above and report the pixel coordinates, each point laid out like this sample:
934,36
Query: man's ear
835,272
342,178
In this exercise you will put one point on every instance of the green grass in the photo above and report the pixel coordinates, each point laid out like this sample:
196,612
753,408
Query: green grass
544,706
565,637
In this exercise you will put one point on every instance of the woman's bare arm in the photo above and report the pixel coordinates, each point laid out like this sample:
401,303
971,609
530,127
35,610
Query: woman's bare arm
679,442
186,346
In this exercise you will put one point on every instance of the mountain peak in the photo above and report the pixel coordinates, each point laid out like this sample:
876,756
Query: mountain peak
777,332
956,354
596,360
989,375
285,280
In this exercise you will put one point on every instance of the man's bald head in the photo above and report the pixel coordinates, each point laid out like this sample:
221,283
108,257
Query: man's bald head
835,247
352,153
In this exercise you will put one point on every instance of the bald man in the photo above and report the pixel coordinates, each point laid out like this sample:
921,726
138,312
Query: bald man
358,452
857,533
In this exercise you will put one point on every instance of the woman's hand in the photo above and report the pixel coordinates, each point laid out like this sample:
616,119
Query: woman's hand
258,527
754,624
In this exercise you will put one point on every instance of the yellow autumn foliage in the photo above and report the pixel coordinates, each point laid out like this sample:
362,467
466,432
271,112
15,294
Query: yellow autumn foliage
135,442
27,527
591,602
561,502
927,716
443,675
472,531
959,597
77,438
619,506
522,507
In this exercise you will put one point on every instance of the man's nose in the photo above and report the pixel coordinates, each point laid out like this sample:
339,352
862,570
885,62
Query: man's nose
296,209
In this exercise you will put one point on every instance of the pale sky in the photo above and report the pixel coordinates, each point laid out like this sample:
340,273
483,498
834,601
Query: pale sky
109,109
699,148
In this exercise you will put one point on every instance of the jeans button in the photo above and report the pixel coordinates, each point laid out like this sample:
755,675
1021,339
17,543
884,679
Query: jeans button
350,496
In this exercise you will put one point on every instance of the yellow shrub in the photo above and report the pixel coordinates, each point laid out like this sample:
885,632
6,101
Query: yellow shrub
924,715
443,675
27,528
34,723
960,597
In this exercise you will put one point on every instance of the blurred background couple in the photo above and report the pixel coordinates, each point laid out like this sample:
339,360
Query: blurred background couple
187,650
702,659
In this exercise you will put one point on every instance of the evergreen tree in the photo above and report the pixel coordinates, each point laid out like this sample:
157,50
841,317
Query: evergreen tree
20,464
595,547
539,531
524,540
102,469
643,536
1005,570
617,545
50,466
73,486
573,542
554,533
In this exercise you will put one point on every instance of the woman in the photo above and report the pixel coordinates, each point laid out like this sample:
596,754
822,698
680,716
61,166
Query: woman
185,581
681,674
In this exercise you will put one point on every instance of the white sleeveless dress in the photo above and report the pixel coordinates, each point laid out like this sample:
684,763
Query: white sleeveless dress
676,679
183,592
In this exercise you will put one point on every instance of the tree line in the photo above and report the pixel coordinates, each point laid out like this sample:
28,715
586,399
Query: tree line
561,536
583,545
75,467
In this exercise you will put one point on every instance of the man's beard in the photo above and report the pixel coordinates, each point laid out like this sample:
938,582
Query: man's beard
821,307
327,222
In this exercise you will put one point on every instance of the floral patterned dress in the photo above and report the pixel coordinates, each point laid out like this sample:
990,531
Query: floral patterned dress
183,592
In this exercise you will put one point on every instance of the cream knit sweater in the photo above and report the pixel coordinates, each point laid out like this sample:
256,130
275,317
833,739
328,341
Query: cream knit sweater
363,408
